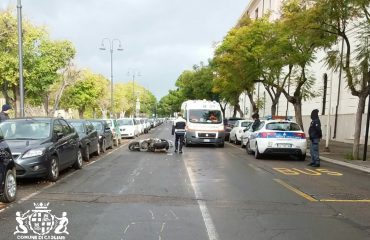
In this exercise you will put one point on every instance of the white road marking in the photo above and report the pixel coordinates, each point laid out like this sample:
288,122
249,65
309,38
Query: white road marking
173,213
255,167
160,234
151,212
211,229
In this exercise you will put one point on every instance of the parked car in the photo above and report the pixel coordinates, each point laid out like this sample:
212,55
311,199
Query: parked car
89,139
114,127
105,134
236,132
229,124
127,128
8,187
277,137
42,147
245,136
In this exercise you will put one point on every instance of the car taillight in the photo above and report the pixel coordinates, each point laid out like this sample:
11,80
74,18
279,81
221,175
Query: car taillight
267,135
300,135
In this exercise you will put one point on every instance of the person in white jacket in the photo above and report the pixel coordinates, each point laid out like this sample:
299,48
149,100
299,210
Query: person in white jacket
178,129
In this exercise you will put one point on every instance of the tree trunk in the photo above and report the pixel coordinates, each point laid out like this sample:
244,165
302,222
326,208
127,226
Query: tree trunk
237,109
273,108
46,104
58,97
16,102
104,114
254,105
298,113
80,114
357,134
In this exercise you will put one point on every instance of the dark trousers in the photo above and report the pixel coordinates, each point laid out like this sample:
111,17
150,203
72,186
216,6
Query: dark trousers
179,138
314,151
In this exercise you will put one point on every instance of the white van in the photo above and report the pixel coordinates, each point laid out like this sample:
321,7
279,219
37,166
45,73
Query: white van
127,127
204,122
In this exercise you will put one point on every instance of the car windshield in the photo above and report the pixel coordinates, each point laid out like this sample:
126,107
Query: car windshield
23,130
246,124
123,122
205,116
79,126
97,125
283,126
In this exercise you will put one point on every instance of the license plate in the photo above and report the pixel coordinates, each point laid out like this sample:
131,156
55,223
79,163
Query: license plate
284,145
207,140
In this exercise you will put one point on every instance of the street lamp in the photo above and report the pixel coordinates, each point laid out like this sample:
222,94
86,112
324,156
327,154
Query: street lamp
134,73
111,48
20,58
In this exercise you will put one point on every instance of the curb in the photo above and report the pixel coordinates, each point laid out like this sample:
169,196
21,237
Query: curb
345,164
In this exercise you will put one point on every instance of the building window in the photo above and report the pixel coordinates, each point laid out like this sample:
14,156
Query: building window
256,13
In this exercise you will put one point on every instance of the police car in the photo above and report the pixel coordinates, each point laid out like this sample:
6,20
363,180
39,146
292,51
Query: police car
277,137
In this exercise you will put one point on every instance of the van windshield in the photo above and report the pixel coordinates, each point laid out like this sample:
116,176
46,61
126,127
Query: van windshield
205,116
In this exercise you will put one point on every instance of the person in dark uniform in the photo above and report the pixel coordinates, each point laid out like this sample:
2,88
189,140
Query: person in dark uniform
4,114
178,129
257,122
315,135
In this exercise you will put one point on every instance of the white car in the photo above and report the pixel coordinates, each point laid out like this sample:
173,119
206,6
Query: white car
277,137
237,131
127,128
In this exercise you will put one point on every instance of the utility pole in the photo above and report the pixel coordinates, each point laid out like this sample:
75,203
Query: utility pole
20,59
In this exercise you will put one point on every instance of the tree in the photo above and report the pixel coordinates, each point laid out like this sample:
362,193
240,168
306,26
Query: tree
86,92
42,60
69,76
348,20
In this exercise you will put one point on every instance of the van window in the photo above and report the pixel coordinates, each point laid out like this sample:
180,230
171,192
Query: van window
205,116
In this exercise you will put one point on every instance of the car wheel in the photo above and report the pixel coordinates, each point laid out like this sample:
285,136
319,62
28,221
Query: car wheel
86,156
10,187
237,142
103,146
78,164
98,152
257,154
242,143
302,157
53,174
248,148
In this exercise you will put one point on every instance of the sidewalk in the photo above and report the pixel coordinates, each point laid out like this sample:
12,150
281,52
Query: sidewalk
339,154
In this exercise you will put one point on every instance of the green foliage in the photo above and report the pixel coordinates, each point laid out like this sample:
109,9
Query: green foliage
86,92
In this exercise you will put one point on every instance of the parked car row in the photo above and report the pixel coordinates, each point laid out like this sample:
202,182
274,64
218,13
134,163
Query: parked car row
133,127
277,137
42,147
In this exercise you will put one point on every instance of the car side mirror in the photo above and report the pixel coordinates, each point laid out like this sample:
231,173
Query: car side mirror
59,135
107,129
244,130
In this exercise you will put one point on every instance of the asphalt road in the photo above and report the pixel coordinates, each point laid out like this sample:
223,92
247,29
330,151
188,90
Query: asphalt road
205,193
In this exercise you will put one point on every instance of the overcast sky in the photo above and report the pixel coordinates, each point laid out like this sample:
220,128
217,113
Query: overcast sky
161,38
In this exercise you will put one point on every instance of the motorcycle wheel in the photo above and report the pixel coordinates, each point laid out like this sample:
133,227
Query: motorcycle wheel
134,146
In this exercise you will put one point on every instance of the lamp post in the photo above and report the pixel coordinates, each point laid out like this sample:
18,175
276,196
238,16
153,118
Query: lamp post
134,73
20,58
111,48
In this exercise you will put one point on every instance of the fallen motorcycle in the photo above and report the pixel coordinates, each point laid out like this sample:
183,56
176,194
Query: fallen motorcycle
150,145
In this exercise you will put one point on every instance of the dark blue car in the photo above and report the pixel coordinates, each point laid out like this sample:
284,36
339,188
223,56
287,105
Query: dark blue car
8,187
42,147
89,138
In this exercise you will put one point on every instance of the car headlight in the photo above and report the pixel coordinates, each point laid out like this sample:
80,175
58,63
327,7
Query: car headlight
100,136
34,153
